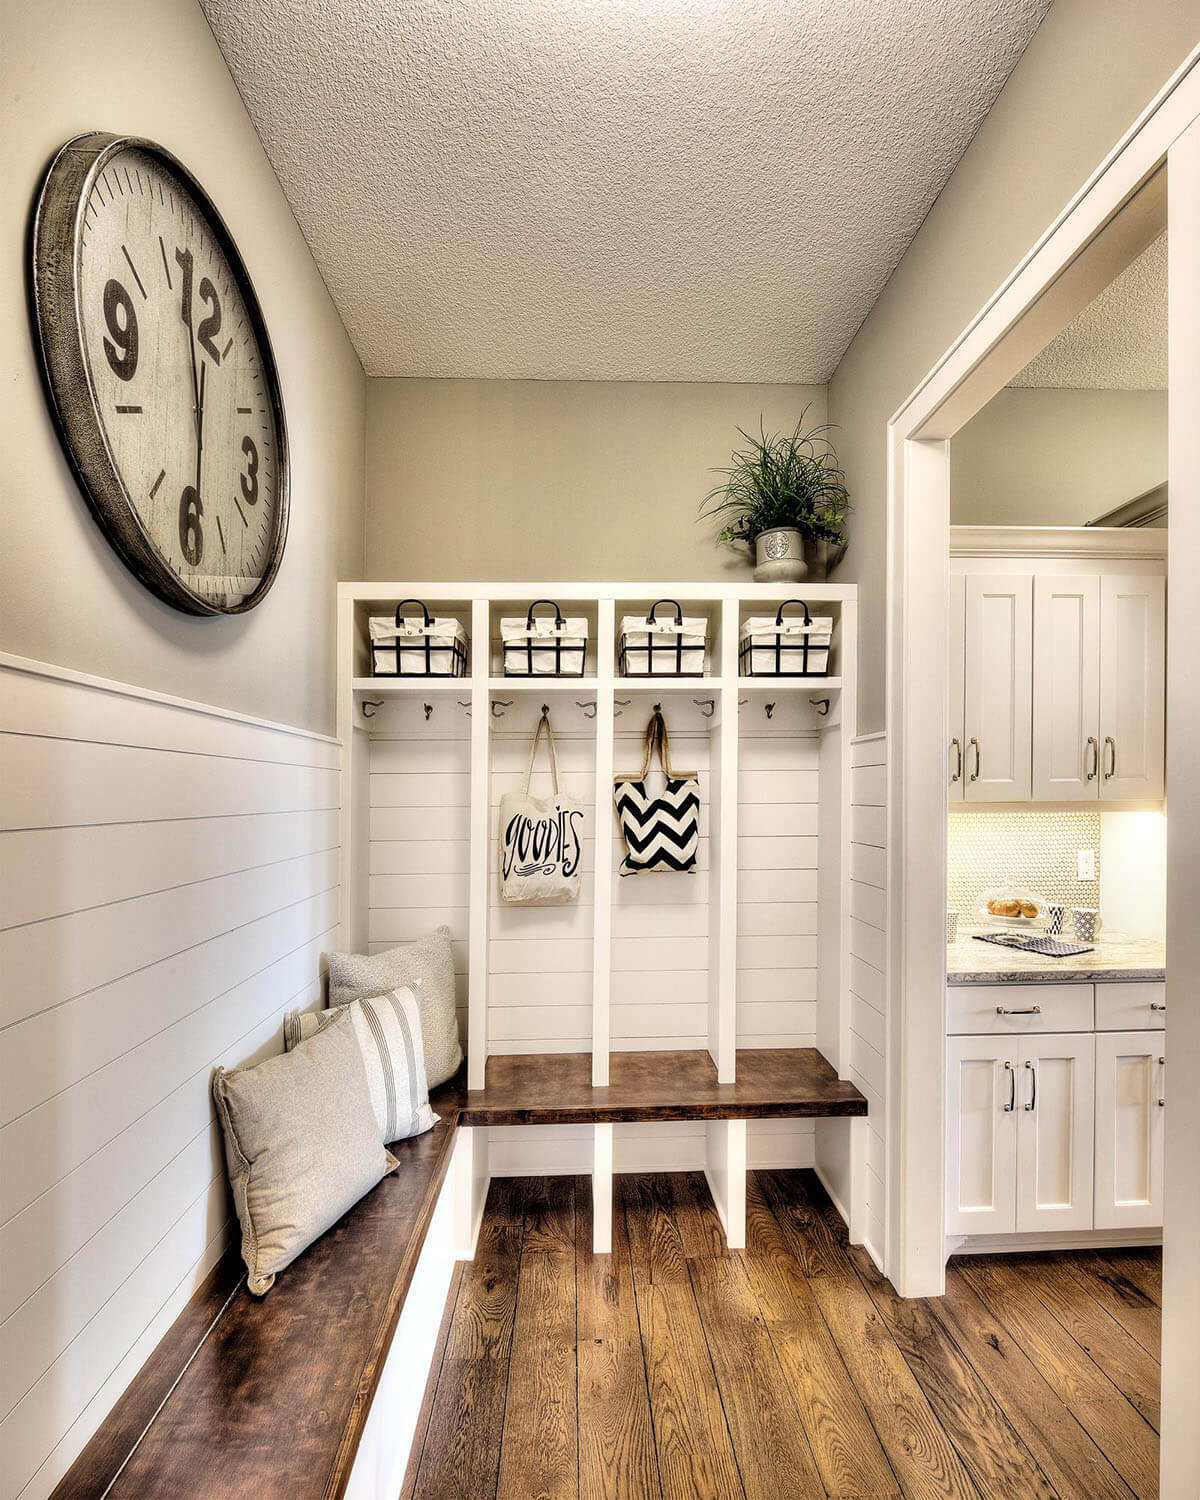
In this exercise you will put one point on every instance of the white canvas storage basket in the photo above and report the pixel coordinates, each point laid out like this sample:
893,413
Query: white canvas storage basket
417,645
795,646
655,645
544,645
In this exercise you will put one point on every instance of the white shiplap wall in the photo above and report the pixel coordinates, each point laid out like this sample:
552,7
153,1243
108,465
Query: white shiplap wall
540,959
168,880
868,966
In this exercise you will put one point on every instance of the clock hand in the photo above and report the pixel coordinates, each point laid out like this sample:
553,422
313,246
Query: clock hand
200,425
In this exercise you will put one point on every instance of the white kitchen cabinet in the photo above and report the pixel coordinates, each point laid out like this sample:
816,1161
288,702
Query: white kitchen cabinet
1066,687
956,767
981,1146
1054,1118
1130,1100
1132,686
998,687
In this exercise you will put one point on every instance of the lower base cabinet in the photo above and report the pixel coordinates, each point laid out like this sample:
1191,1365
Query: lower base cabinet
1055,1131
1020,1149
1130,1104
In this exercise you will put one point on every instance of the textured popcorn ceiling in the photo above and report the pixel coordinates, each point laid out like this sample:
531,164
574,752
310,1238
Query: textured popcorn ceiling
1119,341
614,189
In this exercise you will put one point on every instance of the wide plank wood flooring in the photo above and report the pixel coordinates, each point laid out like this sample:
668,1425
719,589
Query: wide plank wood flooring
677,1370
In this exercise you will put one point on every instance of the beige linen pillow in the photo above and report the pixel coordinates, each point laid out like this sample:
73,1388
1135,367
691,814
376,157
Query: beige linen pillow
388,1029
427,969
301,1145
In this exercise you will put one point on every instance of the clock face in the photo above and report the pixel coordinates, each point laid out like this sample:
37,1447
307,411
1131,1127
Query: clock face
162,374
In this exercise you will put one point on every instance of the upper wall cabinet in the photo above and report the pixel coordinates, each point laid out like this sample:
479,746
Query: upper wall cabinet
1057,681
1098,688
997,658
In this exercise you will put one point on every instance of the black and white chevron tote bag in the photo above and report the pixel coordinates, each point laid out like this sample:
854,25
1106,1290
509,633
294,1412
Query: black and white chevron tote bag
663,832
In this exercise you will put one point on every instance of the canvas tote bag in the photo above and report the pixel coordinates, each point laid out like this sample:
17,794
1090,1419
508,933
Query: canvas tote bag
541,838
661,833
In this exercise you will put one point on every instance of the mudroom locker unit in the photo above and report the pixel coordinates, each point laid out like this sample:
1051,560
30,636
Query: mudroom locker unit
741,965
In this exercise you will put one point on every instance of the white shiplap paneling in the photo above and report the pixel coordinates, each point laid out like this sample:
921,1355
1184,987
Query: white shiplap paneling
168,880
868,966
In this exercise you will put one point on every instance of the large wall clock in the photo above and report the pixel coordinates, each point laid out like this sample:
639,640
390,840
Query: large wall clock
161,373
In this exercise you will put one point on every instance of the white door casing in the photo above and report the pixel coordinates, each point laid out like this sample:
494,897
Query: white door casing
998,692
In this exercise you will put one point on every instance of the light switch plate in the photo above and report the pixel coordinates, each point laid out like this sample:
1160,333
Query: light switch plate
1087,864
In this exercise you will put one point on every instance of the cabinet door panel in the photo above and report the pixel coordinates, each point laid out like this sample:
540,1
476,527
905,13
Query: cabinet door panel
1132,686
998,690
1055,1116
1130,1080
981,1139
957,746
1066,688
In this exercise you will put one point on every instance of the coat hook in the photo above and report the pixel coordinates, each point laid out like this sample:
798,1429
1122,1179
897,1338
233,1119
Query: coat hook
707,706
770,707
428,707
464,703
619,705
582,703
369,705
742,702
821,705
545,710
499,705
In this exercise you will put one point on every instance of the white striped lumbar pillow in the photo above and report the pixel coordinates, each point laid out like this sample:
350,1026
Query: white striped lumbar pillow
388,1031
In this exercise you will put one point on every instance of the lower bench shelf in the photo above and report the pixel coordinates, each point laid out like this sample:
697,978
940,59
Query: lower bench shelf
274,1397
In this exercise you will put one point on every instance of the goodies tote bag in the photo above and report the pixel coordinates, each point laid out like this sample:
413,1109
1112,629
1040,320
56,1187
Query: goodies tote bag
541,838
661,833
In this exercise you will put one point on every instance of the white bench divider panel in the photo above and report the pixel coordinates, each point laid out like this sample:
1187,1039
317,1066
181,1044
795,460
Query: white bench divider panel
751,950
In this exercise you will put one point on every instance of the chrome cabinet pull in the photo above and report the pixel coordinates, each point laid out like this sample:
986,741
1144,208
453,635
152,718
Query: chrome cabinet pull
957,743
1028,1010
1110,746
1032,1105
1095,753
975,772
1012,1088
1158,1005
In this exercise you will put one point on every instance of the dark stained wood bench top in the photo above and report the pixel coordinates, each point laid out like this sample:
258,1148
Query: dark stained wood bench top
268,1397
274,1400
556,1089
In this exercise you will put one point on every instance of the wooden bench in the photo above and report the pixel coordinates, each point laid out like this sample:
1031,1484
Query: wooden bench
295,1395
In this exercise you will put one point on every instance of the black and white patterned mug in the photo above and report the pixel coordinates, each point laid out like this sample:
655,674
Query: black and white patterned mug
1056,915
1086,922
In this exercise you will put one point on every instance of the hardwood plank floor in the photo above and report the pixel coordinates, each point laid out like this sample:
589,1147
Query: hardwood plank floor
677,1368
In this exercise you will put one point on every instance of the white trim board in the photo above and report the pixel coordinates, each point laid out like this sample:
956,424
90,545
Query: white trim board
1102,543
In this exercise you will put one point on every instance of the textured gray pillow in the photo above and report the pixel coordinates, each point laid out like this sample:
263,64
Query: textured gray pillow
427,969
388,1030
301,1145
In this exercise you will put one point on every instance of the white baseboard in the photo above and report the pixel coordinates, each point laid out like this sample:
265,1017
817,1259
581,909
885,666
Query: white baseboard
1083,1239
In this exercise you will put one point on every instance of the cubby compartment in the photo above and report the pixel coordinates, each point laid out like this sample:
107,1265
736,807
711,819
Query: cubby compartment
661,660
568,607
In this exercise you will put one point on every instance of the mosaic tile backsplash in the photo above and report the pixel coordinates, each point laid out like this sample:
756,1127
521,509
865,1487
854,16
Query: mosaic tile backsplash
1035,848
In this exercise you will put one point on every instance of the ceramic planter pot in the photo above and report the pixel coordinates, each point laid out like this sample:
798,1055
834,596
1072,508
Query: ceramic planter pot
779,556
822,557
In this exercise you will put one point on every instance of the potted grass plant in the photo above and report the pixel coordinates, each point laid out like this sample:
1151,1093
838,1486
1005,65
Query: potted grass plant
785,498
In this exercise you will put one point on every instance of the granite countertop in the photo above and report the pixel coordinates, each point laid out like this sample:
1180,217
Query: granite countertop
1114,957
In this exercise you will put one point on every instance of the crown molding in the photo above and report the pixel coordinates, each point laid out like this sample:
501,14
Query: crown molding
1058,541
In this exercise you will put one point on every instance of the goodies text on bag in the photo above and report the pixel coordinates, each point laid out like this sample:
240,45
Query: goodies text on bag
541,838
661,833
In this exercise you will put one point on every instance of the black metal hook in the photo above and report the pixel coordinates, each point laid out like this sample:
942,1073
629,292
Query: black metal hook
369,705
821,705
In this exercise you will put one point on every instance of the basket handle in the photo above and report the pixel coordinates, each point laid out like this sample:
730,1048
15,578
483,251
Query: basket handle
651,617
558,619
784,605
428,620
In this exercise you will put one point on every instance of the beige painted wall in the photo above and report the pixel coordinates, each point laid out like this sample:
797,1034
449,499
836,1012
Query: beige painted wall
1046,457
513,479
153,69
1089,71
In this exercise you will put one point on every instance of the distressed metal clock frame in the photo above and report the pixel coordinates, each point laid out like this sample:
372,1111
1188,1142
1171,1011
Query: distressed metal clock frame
57,241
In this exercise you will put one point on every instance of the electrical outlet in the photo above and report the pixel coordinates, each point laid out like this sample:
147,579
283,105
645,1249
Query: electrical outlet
1087,864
